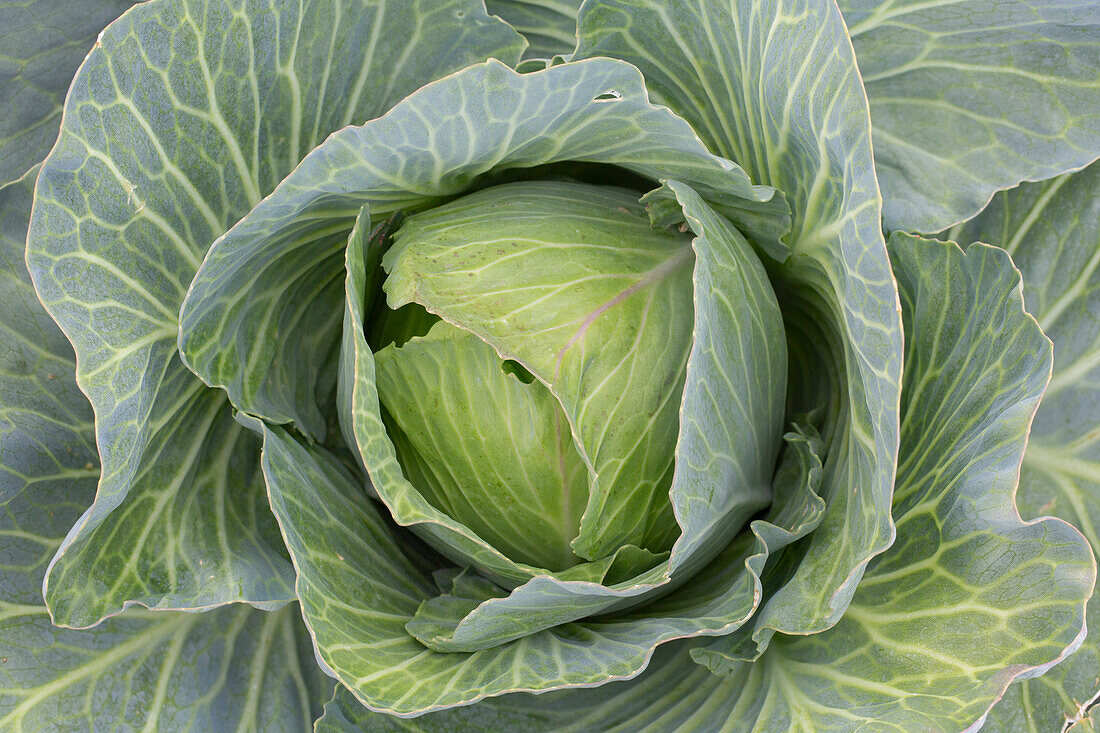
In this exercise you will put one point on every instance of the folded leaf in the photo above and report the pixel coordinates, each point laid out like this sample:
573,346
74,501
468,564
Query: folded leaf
968,599
185,114
486,448
774,86
1052,231
795,504
228,669
672,695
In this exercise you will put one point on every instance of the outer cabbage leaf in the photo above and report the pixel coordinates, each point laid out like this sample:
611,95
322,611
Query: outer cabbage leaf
185,115
231,668
968,599
550,26
44,42
972,96
672,695
774,86
44,421
1052,230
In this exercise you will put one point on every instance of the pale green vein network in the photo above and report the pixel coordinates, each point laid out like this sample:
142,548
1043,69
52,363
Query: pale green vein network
44,420
799,122
144,285
183,116
42,42
1052,230
967,599
972,96
231,669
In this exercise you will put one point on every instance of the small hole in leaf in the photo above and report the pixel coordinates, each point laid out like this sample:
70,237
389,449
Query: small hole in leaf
609,96
460,13
513,367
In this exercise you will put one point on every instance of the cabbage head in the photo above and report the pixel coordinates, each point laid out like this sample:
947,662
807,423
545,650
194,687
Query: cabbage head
543,365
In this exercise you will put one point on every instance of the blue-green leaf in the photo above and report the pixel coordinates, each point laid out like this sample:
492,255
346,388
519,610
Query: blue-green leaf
550,26
972,96
1052,230
185,114
969,597
773,85
44,419
43,43
229,669
795,504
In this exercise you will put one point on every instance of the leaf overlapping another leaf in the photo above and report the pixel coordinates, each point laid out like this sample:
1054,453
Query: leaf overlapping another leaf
231,668
550,26
434,145
44,42
972,96
968,599
44,421
183,116
1052,230
798,122
358,590
509,120
195,169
